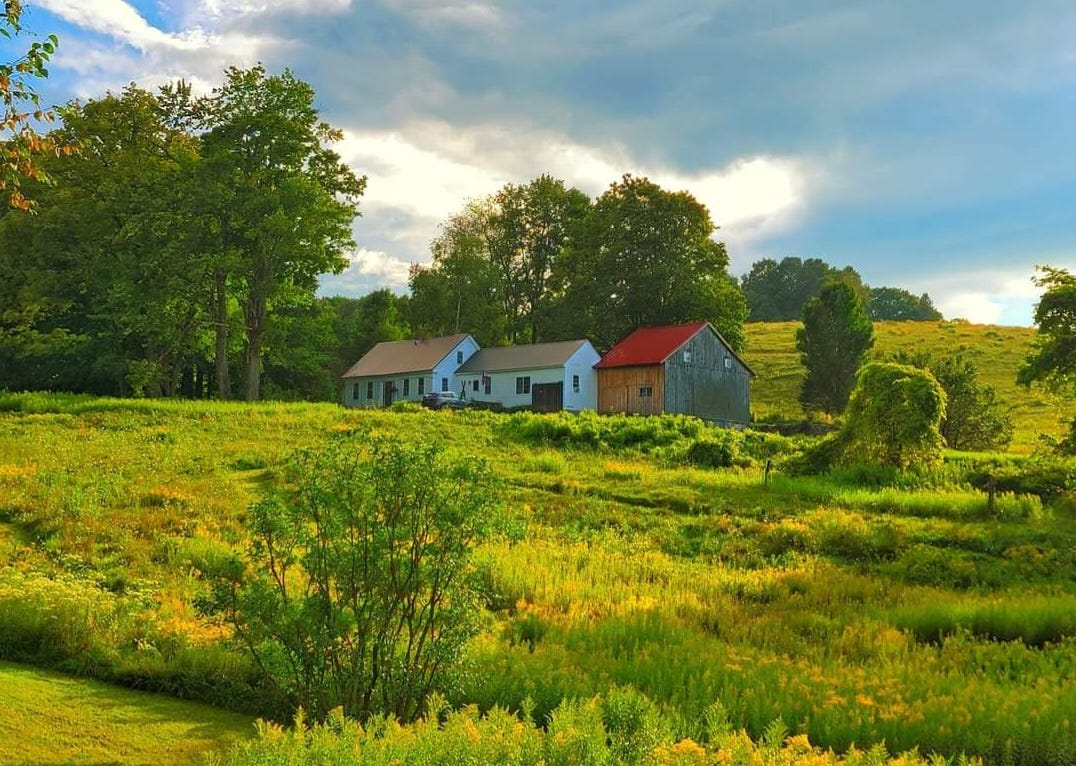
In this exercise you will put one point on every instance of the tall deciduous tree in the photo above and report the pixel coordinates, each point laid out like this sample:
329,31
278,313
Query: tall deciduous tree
645,256
1052,360
777,290
287,200
493,264
536,223
835,340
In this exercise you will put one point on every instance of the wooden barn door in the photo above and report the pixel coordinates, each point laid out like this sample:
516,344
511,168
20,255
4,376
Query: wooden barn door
547,397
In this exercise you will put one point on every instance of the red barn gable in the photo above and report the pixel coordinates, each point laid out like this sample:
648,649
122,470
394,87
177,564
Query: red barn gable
649,345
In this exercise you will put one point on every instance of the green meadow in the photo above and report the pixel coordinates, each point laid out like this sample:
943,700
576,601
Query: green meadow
997,351
747,619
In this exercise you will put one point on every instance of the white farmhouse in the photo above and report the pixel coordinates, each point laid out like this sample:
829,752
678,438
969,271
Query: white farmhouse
407,369
544,376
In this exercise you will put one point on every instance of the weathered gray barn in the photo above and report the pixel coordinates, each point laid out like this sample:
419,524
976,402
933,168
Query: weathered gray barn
687,369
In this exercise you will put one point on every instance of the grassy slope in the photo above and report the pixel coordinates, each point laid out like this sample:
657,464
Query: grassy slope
796,598
998,352
52,719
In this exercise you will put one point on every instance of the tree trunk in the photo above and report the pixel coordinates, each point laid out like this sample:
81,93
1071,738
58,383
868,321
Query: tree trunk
220,327
256,312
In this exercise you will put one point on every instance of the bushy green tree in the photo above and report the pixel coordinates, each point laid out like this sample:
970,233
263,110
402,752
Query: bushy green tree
974,418
893,418
777,290
286,199
1052,360
646,256
494,262
835,340
357,590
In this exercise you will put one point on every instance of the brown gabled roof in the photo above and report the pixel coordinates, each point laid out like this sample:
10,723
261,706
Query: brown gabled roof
653,345
403,356
531,357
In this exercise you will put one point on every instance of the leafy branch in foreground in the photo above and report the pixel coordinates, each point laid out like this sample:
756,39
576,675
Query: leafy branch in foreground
19,142
358,591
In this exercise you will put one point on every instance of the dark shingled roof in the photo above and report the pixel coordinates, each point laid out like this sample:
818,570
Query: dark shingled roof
403,356
532,357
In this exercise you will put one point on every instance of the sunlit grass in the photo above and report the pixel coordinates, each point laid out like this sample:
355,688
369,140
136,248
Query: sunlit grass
997,351
50,719
855,614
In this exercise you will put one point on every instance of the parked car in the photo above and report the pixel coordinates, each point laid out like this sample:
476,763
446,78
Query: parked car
437,400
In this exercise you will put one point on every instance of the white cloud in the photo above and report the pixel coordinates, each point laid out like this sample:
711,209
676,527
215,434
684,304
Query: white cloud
121,21
227,9
375,263
424,172
998,296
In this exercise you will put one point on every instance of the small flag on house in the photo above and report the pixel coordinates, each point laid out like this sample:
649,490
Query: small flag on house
485,379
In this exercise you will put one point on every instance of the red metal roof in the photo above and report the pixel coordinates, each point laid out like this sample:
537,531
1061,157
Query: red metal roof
649,345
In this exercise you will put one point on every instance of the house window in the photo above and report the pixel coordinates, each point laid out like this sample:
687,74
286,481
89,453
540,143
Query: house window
523,384
370,389
487,385
687,357
474,384
459,357
421,386
407,387
444,384
645,391
575,384
355,391
728,363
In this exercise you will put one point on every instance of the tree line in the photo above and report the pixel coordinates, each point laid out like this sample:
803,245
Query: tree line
777,291
163,246
175,247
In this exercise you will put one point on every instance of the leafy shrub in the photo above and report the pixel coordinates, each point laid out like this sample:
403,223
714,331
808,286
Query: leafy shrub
357,594
590,430
623,728
403,405
712,452
893,418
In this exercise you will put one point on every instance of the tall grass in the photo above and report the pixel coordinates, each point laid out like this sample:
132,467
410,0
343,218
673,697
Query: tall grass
805,599
621,728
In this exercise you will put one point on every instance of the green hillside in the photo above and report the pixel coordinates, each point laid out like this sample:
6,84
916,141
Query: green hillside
998,352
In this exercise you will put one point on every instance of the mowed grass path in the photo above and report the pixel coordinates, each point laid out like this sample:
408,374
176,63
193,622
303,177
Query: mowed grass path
50,719
997,351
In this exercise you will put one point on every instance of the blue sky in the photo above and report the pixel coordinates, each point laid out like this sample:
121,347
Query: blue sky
928,144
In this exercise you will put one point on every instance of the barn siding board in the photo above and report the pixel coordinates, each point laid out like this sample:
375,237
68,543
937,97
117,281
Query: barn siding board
618,390
704,387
